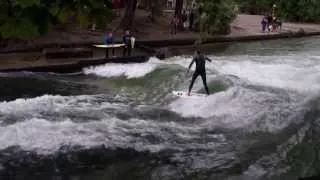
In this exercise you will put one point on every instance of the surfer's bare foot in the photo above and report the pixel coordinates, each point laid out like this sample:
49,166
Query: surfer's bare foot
188,93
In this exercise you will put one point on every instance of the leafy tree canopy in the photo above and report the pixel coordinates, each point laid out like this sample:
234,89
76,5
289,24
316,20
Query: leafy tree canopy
215,16
23,19
300,10
293,10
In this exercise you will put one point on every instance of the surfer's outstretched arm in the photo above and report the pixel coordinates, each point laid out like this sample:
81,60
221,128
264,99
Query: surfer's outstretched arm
208,59
190,65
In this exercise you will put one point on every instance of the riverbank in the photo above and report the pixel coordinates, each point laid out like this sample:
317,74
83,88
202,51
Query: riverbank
150,36
244,27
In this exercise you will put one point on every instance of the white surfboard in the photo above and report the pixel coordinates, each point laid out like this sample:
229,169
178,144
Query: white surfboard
133,40
185,94
108,46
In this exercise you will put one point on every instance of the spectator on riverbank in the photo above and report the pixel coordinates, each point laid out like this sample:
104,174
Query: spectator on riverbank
108,40
279,24
184,19
127,41
274,25
191,20
264,23
269,18
174,24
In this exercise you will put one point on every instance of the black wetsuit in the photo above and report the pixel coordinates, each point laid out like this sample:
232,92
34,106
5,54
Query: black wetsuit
127,41
200,61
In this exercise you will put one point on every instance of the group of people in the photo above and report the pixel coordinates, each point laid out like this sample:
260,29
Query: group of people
127,40
270,24
182,22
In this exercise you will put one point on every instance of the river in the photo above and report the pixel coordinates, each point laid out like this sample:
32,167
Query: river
121,121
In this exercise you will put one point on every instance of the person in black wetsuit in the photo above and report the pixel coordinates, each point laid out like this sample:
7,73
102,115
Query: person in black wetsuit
200,61
126,39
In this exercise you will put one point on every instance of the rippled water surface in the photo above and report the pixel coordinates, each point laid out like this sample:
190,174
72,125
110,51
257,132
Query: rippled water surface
121,121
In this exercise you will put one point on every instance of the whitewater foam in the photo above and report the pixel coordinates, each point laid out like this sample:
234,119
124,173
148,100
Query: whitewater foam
284,76
239,107
47,137
44,136
55,107
298,73
135,70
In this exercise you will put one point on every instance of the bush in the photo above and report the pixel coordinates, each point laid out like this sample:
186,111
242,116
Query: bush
216,16
24,19
300,10
291,10
255,6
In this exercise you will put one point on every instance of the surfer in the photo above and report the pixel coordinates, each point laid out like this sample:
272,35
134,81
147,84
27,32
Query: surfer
127,41
200,61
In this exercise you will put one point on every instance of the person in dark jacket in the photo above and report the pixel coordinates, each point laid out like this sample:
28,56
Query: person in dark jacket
184,18
108,40
126,39
264,23
270,22
174,25
191,18
200,61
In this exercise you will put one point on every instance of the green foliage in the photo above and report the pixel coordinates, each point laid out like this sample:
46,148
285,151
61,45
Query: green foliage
156,8
83,18
27,3
99,12
255,6
20,29
85,12
24,19
17,20
3,11
216,16
300,10
293,10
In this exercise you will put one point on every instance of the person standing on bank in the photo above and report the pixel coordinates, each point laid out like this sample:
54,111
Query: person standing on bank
200,61
108,40
127,41
191,18
174,24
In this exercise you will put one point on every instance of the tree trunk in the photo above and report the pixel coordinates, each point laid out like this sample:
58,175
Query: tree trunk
127,20
10,13
156,8
144,4
178,13
178,8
